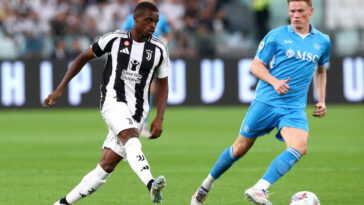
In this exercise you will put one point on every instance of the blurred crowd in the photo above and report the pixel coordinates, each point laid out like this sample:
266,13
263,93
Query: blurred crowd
63,28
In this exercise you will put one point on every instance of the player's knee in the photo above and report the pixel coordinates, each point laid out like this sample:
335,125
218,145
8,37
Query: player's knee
301,149
107,167
239,150
242,145
127,134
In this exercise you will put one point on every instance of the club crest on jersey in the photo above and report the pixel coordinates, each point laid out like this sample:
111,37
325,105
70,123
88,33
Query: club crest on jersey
316,46
290,53
126,43
149,54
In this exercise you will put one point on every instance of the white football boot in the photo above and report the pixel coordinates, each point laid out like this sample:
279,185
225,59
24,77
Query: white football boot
199,197
156,190
257,196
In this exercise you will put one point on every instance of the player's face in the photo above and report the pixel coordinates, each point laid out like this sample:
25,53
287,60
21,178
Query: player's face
147,22
300,14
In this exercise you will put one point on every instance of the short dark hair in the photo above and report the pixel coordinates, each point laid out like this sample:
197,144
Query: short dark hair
145,5
309,2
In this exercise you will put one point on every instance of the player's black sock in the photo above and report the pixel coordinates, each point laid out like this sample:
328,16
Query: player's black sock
149,185
64,201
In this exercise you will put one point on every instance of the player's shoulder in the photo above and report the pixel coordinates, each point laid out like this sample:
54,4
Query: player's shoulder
159,43
279,30
277,33
324,37
115,34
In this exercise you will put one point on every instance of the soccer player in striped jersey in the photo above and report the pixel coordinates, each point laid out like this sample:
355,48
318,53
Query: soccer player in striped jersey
286,61
163,32
134,57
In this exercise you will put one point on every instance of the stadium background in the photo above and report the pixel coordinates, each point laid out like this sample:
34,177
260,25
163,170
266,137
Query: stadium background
45,152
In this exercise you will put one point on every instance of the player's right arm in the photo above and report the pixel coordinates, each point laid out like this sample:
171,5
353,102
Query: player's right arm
266,51
259,69
75,68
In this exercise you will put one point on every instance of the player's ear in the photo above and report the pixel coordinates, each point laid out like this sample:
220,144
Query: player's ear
311,11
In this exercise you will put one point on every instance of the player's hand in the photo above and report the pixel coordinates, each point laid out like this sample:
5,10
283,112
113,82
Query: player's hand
321,110
156,128
281,86
51,99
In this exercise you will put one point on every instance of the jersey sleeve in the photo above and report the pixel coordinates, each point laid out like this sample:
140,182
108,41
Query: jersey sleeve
163,69
104,44
267,48
325,57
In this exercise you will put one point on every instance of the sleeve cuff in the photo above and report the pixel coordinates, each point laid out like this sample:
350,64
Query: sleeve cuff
97,50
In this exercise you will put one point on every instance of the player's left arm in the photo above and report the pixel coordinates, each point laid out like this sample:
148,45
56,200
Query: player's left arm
319,82
156,127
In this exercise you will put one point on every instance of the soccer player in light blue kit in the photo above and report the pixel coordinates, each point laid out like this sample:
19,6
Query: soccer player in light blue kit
286,60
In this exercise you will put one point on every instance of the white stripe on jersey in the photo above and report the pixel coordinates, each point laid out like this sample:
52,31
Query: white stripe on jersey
119,47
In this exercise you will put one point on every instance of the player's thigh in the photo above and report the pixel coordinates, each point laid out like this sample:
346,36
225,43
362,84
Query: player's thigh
294,118
118,116
259,120
296,138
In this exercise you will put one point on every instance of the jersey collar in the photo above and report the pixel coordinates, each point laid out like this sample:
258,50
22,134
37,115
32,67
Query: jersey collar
313,30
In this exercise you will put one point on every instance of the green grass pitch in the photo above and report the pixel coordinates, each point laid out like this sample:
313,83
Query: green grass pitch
45,153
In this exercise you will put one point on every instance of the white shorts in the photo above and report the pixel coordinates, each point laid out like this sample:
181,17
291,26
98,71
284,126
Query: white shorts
118,117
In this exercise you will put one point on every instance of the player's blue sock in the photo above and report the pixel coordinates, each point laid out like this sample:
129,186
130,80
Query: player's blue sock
281,165
226,159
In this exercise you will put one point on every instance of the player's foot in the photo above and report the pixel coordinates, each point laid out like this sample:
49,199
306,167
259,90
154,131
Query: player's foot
200,196
257,196
156,190
62,201
145,133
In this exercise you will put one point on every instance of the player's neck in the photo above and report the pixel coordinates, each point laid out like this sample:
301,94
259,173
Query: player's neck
137,36
303,31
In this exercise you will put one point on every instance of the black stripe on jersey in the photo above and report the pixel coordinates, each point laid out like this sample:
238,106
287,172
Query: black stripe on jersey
98,51
161,42
122,64
105,79
145,68
161,58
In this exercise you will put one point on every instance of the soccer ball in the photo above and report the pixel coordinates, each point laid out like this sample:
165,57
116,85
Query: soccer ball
304,198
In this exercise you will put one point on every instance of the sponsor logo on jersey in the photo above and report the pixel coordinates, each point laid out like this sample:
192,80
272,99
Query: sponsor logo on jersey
261,46
288,41
133,65
306,56
125,50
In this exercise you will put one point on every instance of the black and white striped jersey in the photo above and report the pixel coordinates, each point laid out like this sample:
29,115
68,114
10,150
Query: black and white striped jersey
130,68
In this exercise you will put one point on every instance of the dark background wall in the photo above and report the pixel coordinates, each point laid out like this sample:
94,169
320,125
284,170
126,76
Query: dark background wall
25,83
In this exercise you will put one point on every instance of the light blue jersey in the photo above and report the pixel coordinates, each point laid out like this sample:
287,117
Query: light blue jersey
291,56
161,29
